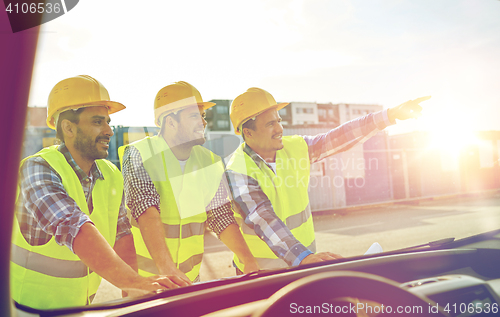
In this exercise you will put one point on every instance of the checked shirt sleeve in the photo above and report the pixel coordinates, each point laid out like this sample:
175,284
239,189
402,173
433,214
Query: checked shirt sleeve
259,214
219,212
346,136
45,209
123,227
140,192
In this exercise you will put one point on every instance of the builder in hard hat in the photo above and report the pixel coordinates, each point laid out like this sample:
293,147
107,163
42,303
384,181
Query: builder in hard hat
71,226
269,175
174,186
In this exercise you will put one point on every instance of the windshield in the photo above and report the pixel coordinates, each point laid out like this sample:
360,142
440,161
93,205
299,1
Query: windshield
382,183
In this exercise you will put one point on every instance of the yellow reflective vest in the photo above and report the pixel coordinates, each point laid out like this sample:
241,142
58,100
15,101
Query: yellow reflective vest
183,199
51,276
287,191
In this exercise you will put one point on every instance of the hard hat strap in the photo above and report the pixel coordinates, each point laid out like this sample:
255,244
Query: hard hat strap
240,128
57,114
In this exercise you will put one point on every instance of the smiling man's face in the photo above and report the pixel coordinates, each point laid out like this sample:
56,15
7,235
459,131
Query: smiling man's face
93,133
191,127
266,139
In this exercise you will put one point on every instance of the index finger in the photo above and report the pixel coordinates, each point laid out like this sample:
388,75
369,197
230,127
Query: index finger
179,281
335,256
418,100
167,282
326,256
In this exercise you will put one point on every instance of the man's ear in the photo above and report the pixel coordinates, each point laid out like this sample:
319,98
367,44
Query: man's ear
247,132
68,128
170,123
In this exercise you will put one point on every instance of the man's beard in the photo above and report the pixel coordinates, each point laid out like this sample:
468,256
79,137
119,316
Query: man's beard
190,141
88,147
280,146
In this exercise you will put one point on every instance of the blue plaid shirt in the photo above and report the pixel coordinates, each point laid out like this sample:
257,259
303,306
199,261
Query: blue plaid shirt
44,208
257,209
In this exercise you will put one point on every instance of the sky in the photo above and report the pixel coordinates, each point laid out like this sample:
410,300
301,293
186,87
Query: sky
375,52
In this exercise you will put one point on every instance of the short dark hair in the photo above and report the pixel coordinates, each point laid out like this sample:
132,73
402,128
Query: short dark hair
250,124
71,115
175,116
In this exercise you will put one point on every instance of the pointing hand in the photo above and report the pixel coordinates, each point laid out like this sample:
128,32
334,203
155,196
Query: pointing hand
407,110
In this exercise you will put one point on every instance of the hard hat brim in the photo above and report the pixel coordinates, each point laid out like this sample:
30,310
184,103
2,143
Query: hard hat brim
278,107
282,105
207,105
112,106
159,117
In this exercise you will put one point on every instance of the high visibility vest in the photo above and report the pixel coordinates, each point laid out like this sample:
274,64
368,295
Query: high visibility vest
287,191
183,199
51,276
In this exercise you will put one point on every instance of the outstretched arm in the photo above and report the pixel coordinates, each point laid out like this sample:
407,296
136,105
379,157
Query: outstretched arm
346,136
359,130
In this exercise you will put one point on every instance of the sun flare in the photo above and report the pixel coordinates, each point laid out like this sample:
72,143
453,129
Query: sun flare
452,141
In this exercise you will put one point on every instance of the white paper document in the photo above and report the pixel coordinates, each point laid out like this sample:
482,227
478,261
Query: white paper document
375,248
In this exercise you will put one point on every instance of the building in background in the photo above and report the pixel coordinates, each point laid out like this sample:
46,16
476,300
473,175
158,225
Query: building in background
348,112
218,116
328,114
303,113
295,115
220,137
36,117
37,135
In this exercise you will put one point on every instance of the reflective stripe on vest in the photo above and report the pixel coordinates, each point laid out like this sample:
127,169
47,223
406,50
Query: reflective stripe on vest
287,191
51,276
149,265
183,199
174,231
291,222
47,265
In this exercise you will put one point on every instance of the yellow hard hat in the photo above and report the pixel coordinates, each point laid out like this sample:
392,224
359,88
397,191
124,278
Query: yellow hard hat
77,92
250,104
175,97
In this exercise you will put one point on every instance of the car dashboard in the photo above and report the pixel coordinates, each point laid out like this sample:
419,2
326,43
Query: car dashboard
461,278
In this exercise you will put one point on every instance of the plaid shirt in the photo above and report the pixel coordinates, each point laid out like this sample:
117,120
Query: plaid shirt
44,208
141,193
257,209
